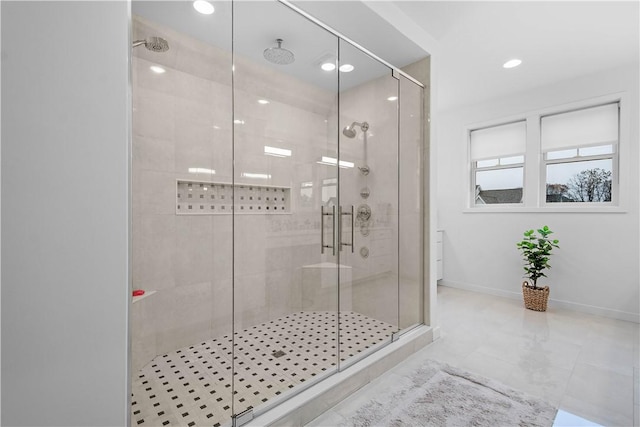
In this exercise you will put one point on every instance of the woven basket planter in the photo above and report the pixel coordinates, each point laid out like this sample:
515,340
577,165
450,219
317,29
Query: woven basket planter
535,299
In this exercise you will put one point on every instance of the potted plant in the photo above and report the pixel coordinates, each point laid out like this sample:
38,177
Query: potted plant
536,247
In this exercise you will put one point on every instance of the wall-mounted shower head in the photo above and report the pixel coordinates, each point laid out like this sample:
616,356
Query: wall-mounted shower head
279,55
154,44
350,131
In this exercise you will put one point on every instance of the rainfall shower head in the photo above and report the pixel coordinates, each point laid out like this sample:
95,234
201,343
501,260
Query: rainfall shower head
279,55
154,44
350,131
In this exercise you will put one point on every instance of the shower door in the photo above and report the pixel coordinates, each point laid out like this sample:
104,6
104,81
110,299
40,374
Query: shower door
267,197
411,203
285,195
182,231
368,203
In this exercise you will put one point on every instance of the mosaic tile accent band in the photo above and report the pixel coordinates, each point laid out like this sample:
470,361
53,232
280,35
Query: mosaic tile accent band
192,386
212,198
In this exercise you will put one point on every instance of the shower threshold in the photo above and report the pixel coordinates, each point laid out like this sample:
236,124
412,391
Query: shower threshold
192,386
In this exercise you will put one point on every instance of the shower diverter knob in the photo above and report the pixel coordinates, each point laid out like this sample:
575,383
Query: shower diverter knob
364,213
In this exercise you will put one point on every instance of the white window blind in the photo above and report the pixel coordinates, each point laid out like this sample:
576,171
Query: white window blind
591,126
498,141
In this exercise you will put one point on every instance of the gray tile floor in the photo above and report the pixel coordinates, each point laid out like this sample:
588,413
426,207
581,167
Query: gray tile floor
193,386
587,366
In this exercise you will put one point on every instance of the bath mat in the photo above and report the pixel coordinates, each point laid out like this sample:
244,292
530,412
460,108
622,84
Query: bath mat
441,395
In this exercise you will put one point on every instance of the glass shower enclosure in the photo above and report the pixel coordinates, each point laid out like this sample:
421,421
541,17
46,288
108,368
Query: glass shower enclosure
277,208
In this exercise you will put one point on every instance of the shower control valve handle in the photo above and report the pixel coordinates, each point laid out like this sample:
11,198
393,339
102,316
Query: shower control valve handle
340,214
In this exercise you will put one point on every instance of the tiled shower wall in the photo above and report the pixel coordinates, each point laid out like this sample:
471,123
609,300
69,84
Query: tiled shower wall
173,130
182,119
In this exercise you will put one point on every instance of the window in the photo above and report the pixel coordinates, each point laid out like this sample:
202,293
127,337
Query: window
497,156
567,159
579,149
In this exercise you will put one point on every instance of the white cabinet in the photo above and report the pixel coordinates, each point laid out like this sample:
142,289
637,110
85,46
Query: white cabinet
439,267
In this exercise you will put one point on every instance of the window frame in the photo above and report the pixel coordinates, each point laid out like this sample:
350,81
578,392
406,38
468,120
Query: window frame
535,162
474,164
614,156
578,159
475,169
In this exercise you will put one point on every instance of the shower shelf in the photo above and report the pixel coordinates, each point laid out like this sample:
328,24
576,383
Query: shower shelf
217,198
141,297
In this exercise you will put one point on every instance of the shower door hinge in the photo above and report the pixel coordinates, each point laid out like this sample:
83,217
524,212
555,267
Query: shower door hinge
243,417
395,336
395,74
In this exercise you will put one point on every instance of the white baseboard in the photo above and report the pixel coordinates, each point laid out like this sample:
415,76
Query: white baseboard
568,305
436,333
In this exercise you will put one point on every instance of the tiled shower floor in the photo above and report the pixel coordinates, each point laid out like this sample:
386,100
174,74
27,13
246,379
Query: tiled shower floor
192,386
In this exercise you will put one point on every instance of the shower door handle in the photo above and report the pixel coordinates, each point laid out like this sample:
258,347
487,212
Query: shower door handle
333,234
340,214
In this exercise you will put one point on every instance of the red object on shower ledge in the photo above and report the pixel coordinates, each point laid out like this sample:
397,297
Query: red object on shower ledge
138,293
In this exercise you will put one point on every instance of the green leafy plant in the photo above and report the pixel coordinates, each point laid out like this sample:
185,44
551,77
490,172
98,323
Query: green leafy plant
536,247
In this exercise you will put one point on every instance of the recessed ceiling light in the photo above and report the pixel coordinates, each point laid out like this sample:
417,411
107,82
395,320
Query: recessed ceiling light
512,63
392,98
346,68
238,122
263,101
157,70
328,66
203,7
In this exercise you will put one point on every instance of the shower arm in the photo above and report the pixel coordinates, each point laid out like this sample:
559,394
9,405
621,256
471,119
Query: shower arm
364,127
138,43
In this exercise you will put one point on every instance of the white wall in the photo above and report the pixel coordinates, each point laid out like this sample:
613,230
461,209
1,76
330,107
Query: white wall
64,213
596,268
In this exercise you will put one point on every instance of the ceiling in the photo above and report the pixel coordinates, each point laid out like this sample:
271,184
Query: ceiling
257,25
356,21
556,40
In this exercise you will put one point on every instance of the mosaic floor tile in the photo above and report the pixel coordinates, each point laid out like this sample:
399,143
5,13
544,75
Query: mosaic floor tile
193,386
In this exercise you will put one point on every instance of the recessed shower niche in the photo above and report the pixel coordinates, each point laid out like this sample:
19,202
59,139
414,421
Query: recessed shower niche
211,198
245,195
